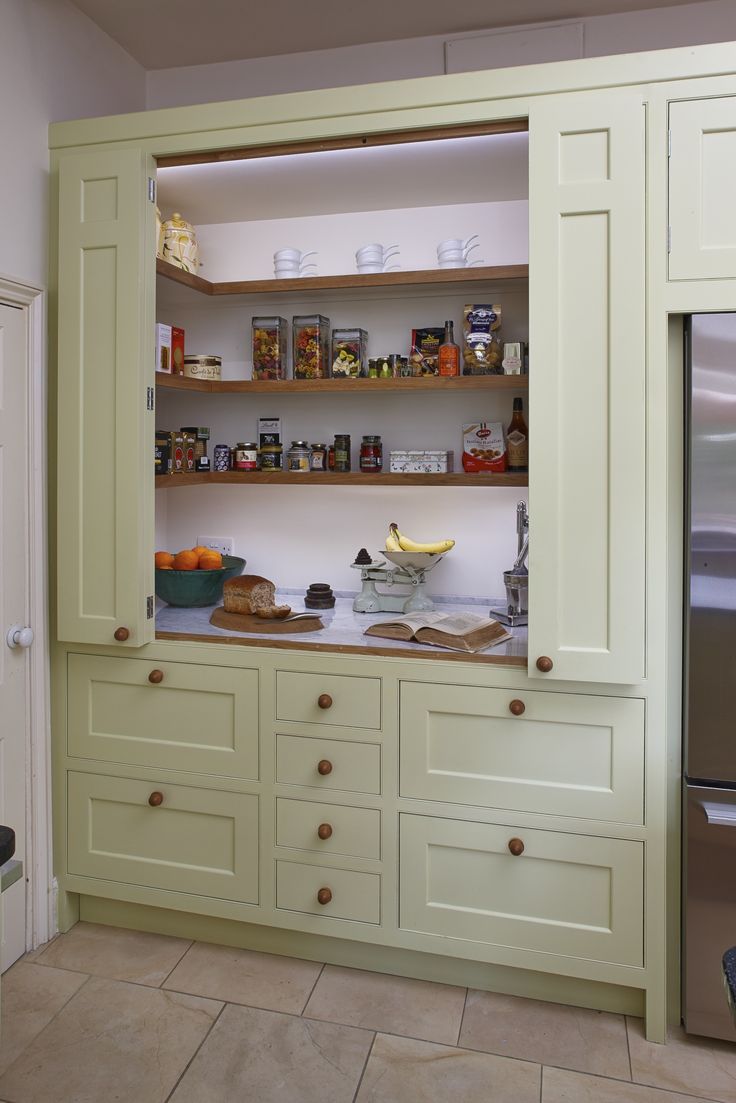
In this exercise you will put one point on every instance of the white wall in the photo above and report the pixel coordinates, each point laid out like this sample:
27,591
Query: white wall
54,64
628,32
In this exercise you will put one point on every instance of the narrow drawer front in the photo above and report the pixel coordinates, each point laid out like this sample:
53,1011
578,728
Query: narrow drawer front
201,841
353,895
564,754
328,828
203,719
350,702
353,767
564,894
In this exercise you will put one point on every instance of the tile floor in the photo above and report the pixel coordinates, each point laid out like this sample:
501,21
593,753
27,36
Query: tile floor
102,1015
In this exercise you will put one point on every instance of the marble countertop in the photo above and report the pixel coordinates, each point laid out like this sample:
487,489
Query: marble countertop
343,631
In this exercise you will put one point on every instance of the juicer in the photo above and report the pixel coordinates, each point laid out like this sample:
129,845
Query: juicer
516,581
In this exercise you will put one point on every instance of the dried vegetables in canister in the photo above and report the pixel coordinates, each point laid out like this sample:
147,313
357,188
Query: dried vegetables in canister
269,348
349,348
311,348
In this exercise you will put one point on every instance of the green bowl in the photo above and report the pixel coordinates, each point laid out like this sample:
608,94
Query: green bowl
197,587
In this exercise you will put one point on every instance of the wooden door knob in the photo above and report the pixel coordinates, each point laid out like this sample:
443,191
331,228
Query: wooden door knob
121,634
516,708
545,664
324,830
516,846
324,767
156,676
324,896
155,799
324,701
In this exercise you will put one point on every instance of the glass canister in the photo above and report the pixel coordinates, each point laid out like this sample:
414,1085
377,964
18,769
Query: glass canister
342,452
180,244
371,455
349,353
269,348
298,456
311,347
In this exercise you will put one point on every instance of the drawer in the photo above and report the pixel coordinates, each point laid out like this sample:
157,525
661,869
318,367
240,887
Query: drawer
203,719
576,895
328,828
348,766
566,754
201,841
346,701
351,895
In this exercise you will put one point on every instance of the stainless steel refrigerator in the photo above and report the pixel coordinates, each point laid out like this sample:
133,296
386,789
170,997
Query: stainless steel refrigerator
709,885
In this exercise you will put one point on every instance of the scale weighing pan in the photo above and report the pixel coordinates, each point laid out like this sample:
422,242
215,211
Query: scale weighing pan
416,560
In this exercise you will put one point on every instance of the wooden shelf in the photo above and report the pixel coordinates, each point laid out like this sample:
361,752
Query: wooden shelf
438,384
335,478
307,284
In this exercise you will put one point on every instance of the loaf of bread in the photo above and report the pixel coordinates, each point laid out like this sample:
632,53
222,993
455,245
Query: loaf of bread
251,594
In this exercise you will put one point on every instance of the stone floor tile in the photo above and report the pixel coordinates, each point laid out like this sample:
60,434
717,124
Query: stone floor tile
394,1005
563,1086
269,981
31,996
111,1041
115,953
689,1064
273,1058
550,1033
423,1072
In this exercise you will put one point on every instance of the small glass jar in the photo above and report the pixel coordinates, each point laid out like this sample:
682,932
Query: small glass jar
349,353
311,347
271,457
342,452
298,456
269,348
318,459
331,457
246,456
371,455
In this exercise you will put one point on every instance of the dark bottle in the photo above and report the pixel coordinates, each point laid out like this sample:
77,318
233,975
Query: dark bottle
517,439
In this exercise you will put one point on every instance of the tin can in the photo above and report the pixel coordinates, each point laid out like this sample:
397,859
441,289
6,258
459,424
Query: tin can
202,366
271,457
318,459
246,456
298,456
222,457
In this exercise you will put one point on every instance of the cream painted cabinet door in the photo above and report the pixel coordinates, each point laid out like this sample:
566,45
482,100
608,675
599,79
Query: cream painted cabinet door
105,370
587,387
702,208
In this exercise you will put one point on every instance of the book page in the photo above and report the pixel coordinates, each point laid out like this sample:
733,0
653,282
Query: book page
461,624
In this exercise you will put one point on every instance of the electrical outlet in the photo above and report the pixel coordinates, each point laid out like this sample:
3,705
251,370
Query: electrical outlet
223,544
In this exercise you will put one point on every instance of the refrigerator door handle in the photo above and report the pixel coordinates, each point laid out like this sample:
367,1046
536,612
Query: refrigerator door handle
724,815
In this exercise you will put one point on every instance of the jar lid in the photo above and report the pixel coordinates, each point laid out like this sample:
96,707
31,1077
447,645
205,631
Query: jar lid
249,444
372,440
176,222
300,444
318,445
271,448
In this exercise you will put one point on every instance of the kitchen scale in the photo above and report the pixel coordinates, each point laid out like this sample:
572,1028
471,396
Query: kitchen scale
516,581
408,569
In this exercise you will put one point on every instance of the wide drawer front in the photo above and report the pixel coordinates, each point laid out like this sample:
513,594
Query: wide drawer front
335,893
328,828
176,716
576,895
201,841
563,754
334,699
328,763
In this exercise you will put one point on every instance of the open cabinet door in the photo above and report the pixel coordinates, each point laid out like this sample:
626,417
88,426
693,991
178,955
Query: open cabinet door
587,305
105,398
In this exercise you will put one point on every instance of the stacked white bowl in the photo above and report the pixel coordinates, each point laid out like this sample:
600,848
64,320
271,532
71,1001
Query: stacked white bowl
375,257
453,252
289,264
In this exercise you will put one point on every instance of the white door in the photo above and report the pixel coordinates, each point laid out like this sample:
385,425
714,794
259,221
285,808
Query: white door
14,609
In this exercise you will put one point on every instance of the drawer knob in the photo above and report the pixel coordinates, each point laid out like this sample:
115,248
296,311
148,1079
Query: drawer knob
156,677
516,708
324,701
516,846
324,830
155,799
324,767
121,634
545,664
324,896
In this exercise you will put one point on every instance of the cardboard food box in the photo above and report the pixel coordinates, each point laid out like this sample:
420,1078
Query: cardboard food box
269,431
177,350
425,350
484,446
163,348
162,452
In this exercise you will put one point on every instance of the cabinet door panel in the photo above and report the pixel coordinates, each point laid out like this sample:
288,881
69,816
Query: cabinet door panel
587,389
105,362
701,183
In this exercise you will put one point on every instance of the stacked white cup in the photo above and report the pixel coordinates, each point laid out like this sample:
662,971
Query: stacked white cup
375,257
289,264
454,252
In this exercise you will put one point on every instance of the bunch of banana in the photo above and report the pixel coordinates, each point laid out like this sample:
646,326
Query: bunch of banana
396,541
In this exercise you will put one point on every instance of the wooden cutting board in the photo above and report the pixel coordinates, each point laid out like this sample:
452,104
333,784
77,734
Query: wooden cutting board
245,622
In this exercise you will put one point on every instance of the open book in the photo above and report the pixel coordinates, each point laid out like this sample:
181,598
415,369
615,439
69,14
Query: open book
456,631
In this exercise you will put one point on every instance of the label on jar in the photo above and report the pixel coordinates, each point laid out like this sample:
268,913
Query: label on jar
246,459
297,461
518,449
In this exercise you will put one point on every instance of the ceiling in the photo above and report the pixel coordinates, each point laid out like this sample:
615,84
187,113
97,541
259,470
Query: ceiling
163,34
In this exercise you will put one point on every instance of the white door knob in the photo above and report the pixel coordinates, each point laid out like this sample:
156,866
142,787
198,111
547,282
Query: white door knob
18,636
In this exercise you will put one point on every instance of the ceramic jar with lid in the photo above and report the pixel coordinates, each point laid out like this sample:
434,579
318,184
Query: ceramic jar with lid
180,244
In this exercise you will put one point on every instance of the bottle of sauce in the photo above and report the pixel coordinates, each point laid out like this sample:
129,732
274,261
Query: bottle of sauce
449,353
517,439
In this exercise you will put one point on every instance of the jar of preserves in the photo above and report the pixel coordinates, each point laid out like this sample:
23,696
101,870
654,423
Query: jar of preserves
271,457
269,348
298,456
371,455
246,456
342,452
318,459
311,347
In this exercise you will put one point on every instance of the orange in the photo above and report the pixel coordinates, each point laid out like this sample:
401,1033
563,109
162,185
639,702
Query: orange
201,550
186,560
210,561
163,559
